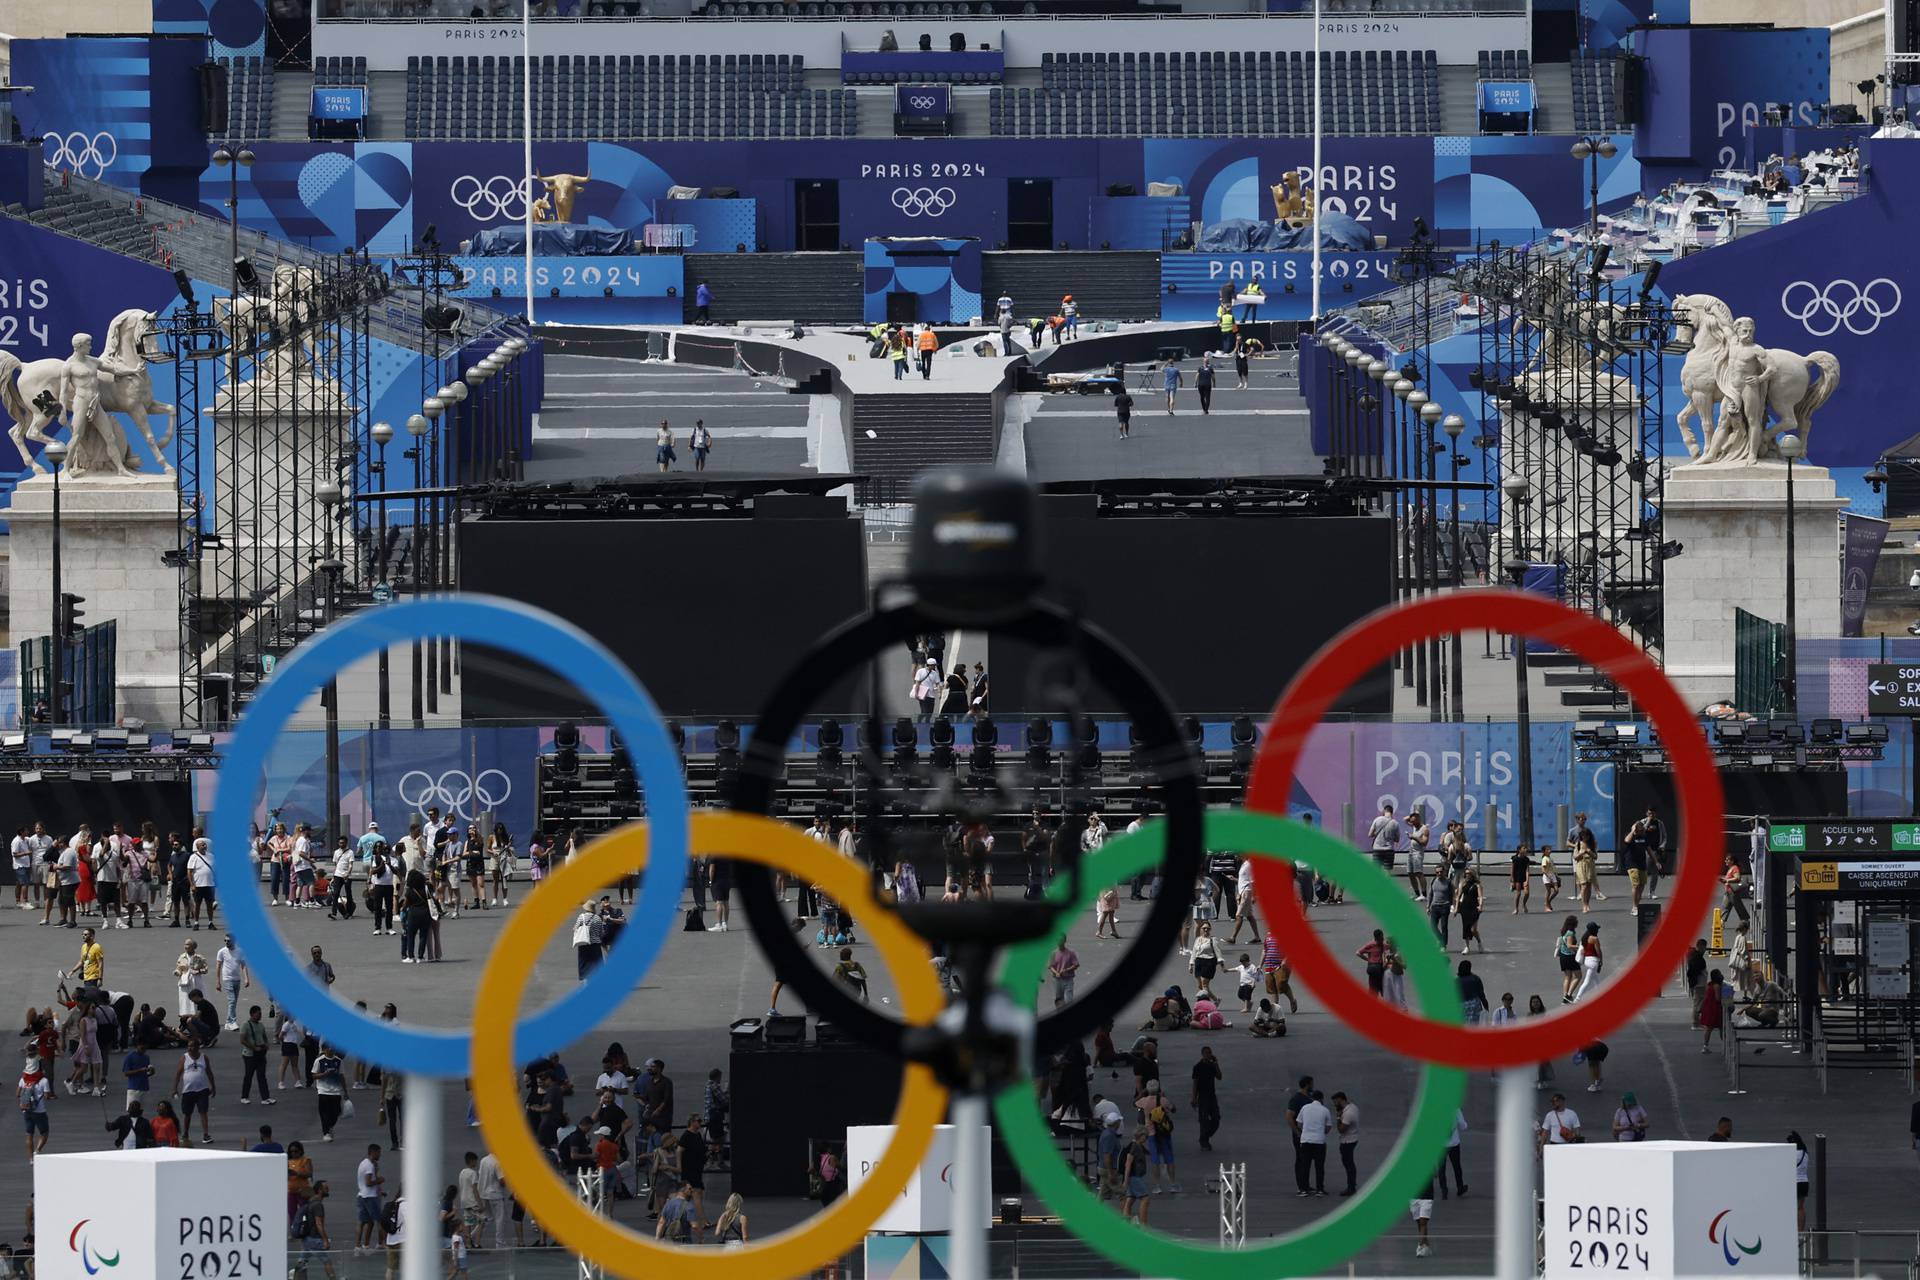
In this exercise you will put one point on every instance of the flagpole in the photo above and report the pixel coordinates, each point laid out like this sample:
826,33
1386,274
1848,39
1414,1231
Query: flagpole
526,131
1315,183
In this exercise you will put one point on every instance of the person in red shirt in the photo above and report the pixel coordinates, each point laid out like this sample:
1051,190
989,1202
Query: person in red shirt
1374,953
166,1126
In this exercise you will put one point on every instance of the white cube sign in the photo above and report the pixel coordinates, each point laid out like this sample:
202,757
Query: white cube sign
1670,1209
926,1203
161,1214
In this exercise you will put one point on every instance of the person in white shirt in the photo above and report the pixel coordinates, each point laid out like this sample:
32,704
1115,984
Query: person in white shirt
1630,1120
1346,1120
615,1079
230,971
1243,912
1095,835
493,1195
200,872
23,878
1314,1122
367,1184
472,1210
1560,1126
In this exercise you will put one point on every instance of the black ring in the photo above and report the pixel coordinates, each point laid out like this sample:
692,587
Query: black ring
843,650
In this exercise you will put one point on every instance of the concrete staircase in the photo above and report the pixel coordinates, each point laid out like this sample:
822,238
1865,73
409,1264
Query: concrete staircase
1553,90
292,99
912,432
815,288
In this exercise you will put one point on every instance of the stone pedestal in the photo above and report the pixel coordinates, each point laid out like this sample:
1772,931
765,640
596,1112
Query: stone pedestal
273,440
113,533
1732,522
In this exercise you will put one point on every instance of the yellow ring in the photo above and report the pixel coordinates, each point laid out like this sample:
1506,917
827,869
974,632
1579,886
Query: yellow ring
503,983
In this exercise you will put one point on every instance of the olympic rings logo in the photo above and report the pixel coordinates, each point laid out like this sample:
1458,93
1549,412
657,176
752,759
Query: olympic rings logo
497,197
1823,311
923,102
440,792
923,202
491,1051
81,152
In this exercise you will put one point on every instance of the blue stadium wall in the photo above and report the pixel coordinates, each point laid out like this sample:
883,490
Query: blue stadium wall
380,195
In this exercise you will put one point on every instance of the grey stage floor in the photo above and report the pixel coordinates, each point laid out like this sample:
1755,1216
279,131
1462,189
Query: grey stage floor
681,1010
1259,431
600,414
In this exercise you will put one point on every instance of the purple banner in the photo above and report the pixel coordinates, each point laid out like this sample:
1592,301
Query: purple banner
1861,553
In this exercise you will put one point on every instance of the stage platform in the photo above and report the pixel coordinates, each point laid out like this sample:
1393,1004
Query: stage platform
780,404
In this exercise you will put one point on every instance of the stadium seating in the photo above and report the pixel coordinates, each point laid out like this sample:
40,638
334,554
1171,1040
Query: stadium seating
628,96
250,97
1221,94
922,77
1505,64
1596,106
332,71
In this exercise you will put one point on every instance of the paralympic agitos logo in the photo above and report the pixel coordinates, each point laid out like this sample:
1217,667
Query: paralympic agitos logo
1723,1236
90,1257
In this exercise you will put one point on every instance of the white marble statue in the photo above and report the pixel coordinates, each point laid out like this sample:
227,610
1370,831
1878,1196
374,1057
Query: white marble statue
285,308
83,392
1729,370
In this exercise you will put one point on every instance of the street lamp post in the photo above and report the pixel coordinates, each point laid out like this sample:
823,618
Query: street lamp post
1593,151
56,455
452,395
331,498
1402,388
1791,448
1453,425
431,408
233,162
1430,415
1417,401
382,433
417,427
1515,488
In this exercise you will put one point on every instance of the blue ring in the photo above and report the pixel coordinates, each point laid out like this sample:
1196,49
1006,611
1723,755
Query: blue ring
525,632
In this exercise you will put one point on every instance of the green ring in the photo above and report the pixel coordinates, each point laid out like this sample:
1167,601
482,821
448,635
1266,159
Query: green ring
1359,1221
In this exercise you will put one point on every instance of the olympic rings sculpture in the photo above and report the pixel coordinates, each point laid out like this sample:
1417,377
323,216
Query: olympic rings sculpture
663,843
432,792
81,151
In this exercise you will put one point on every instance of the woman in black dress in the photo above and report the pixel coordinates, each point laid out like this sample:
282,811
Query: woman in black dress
955,703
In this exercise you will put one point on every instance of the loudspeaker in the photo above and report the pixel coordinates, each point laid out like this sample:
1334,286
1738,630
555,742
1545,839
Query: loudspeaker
747,1034
213,98
1122,189
785,1031
957,42
1630,90
720,193
826,1033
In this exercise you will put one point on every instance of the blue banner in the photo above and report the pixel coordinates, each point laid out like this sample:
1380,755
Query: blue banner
647,287
923,101
1190,282
1506,97
91,101
339,102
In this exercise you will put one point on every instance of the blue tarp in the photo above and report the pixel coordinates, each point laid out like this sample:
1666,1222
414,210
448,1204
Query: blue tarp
1242,235
551,240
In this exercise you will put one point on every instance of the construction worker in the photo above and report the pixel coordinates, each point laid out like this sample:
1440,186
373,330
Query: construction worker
878,333
1070,315
897,352
928,345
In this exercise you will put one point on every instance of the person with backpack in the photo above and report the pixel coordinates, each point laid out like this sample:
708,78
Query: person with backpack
1156,1110
310,1229
677,1220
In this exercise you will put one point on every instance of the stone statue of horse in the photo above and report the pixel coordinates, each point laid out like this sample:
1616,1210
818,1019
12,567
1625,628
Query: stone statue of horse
31,394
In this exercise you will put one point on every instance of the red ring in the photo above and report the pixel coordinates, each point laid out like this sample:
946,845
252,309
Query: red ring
1373,640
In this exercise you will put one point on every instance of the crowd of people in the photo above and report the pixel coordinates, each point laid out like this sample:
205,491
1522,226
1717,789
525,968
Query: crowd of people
627,1131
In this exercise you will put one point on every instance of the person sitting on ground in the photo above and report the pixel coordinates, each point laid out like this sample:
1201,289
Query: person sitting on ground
851,972
1267,1022
1207,1016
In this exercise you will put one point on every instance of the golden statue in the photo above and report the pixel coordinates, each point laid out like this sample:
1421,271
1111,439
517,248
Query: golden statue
1292,203
562,190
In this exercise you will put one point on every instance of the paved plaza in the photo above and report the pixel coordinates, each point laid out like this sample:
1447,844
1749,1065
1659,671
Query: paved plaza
681,1010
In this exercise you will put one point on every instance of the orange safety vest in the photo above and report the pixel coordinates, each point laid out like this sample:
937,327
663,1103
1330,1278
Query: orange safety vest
928,342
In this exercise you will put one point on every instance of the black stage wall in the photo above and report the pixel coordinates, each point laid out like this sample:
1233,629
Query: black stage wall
1800,794
785,1099
1222,610
707,612
64,804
